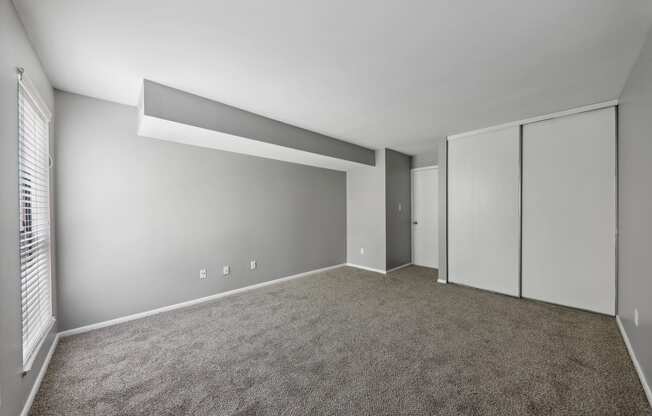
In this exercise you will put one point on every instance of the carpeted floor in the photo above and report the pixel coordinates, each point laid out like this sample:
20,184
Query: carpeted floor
349,342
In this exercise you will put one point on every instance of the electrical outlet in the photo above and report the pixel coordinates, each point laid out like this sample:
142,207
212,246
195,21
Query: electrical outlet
252,264
226,270
636,317
203,274
361,250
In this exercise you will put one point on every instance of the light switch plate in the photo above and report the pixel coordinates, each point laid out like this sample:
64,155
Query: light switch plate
203,273
226,270
252,264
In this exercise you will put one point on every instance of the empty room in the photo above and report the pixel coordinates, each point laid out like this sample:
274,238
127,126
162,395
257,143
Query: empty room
325,207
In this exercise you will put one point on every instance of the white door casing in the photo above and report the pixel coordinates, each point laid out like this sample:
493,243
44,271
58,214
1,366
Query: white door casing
425,212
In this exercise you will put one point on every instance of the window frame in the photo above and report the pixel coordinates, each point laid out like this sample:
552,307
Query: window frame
28,95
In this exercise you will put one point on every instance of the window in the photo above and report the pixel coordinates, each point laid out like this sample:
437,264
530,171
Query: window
34,213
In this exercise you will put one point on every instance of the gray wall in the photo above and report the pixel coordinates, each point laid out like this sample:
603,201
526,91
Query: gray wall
373,219
15,50
635,207
429,158
398,208
143,216
176,105
365,205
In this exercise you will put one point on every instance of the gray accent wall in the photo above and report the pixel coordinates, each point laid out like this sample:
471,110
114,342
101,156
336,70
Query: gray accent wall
143,216
398,208
15,51
374,222
365,205
175,105
635,207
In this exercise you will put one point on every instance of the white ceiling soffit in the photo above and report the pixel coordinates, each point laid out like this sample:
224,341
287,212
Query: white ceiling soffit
159,128
385,73
170,114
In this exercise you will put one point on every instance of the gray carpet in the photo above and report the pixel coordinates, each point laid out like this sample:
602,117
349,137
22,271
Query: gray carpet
349,342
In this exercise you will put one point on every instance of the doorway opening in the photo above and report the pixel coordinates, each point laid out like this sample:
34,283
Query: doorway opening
425,217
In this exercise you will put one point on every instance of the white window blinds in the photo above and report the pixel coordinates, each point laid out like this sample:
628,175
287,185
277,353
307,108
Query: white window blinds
34,206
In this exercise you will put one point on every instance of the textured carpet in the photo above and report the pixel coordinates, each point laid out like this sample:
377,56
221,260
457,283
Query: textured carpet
349,342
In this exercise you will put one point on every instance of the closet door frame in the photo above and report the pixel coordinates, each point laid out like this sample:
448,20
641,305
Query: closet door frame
445,232
592,306
506,277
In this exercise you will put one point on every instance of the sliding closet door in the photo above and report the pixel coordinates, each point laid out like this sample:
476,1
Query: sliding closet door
483,211
569,174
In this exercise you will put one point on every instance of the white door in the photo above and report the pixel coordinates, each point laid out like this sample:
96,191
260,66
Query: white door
425,236
483,210
569,210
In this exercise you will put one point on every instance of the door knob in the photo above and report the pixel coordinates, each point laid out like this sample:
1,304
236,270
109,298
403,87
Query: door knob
414,222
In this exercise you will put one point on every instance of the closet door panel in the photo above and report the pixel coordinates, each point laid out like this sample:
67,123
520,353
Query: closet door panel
484,223
569,174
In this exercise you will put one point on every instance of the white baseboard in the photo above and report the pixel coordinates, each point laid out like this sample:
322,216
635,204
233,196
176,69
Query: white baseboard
399,267
442,281
369,269
139,315
39,378
637,366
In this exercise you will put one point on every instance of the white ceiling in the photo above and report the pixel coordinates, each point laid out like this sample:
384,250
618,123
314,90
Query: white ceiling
397,74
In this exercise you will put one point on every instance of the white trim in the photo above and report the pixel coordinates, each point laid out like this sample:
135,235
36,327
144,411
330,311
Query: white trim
400,267
37,382
424,168
442,281
369,269
412,172
558,114
32,92
35,333
192,302
27,366
632,355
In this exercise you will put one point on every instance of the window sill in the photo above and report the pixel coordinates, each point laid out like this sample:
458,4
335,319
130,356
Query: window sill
27,367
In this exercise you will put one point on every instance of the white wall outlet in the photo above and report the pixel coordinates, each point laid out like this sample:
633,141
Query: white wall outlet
226,270
636,317
252,264
203,274
361,250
